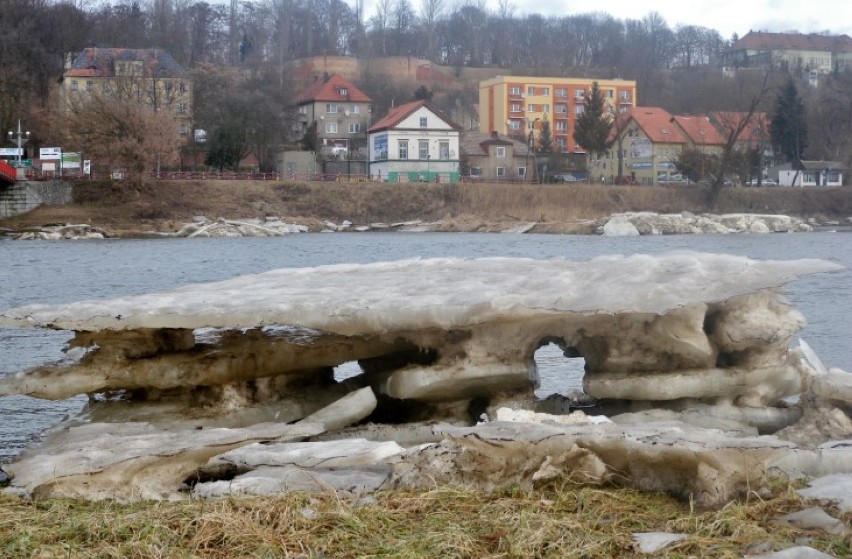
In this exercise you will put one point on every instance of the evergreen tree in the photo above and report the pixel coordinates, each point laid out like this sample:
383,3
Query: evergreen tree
545,138
593,127
788,127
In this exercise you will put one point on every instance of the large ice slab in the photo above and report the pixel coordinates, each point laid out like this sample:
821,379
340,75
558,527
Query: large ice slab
439,293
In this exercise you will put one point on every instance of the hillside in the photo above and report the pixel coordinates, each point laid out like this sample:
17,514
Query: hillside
123,210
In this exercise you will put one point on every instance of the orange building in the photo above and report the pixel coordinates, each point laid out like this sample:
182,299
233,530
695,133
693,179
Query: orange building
516,105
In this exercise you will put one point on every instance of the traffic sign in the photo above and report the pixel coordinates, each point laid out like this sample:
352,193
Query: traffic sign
22,163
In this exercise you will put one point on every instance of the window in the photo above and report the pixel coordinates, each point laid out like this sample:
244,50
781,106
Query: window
624,95
342,91
514,125
354,109
579,94
182,108
531,108
444,150
330,108
73,85
522,171
354,127
579,109
516,108
107,87
501,172
561,125
88,85
514,90
184,129
500,152
545,91
545,108
610,93
561,92
560,109
331,127
531,90
423,149
403,149
476,171
303,109
560,143
423,122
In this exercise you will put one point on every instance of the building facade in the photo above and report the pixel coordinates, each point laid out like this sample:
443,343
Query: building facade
341,111
650,143
414,142
795,52
495,157
517,105
149,77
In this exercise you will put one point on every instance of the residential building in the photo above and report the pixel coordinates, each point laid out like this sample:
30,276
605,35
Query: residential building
795,52
496,157
341,111
650,143
516,105
149,77
414,142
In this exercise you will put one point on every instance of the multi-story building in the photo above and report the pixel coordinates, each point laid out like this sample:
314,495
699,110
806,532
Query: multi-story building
340,110
517,105
650,143
820,54
149,77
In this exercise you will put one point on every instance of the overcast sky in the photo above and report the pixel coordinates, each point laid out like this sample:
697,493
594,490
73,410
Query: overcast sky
725,16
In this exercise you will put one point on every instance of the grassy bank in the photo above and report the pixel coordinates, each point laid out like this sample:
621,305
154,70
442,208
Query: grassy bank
554,521
164,206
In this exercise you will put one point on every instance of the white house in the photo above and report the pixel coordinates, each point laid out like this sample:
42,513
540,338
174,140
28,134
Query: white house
414,142
810,173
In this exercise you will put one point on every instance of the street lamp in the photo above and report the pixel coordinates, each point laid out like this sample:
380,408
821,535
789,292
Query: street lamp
19,139
530,144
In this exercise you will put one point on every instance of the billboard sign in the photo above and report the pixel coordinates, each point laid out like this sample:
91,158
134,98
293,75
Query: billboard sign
11,152
50,153
380,147
71,160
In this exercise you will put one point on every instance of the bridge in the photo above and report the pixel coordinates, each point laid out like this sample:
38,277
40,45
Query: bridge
7,174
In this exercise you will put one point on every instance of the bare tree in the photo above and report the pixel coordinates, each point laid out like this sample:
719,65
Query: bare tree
123,134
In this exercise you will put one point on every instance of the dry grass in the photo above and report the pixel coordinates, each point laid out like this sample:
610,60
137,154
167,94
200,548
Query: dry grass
554,521
165,206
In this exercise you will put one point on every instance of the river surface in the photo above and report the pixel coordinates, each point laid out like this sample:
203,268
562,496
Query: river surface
66,271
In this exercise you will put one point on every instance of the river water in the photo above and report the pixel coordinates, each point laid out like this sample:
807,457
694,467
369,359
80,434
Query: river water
66,271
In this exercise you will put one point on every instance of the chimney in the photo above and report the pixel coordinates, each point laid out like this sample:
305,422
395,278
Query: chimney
494,135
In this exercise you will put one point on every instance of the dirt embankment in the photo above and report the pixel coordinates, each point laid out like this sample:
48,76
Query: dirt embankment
126,210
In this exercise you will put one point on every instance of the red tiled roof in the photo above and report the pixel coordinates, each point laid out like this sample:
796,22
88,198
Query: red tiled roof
98,62
657,126
728,121
398,114
758,40
699,130
326,89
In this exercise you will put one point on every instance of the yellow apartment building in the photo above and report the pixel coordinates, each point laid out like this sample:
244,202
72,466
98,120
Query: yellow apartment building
517,105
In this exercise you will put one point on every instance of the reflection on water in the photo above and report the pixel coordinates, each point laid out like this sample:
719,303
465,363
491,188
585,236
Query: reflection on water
66,271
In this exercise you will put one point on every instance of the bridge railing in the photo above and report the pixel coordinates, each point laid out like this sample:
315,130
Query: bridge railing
8,174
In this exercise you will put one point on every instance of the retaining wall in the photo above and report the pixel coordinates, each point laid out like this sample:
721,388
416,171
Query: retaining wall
22,197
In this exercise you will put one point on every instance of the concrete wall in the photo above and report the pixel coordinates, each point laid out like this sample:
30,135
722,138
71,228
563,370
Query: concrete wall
23,197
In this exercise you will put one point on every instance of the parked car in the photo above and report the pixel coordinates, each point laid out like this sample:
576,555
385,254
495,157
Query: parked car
673,179
564,177
762,182
625,180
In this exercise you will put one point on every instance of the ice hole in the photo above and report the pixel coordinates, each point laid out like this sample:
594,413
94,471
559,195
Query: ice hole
558,374
347,370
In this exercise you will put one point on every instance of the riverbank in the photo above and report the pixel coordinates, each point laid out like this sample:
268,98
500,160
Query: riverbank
123,210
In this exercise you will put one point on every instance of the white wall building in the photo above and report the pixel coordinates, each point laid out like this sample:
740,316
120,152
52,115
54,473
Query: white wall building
810,173
414,142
